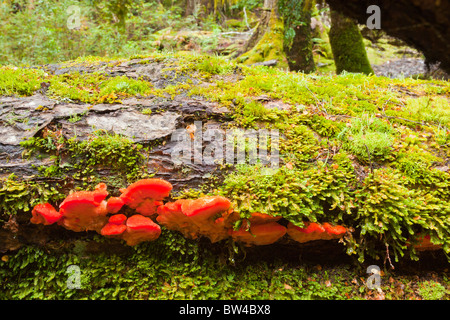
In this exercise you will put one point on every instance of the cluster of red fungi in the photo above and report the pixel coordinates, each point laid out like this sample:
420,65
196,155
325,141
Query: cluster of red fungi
208,216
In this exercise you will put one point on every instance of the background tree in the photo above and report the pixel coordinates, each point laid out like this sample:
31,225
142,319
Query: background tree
347,45
297,34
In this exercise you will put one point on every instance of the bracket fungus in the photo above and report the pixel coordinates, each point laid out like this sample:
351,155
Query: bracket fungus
115,226
144,196
315,231
85,210
259,234
114,204
139,229
45,214
209,216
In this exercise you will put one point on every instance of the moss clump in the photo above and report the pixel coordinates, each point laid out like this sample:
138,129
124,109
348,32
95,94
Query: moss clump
196,272
347,45
393,214
20,196
20,81
95,87
81,159
368,138
315,194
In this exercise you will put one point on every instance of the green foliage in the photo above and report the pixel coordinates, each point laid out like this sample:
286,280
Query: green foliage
116,152
102,150
214,65
295,194
427,109
169,268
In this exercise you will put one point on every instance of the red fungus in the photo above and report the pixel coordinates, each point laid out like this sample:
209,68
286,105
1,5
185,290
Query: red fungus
333,232
171,216
45,213
425,244
85,210
114,204
146,195
207,216
315,231
115,226
312,231
260,218
139,229
259,234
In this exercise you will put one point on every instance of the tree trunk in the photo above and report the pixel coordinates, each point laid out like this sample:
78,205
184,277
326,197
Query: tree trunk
347,45
299,50
269,8
266,43
191,7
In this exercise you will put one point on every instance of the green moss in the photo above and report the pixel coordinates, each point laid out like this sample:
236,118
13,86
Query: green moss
431,290
20,81
124,158
369,138
394,214
425,109
194,274
95,87
18,196
314,194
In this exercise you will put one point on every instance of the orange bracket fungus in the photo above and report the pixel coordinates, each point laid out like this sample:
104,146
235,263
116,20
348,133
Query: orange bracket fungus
85,210
208,216
259,234
45,214
145,196
260,218
314,231
115,226
139,229
426,244
114,204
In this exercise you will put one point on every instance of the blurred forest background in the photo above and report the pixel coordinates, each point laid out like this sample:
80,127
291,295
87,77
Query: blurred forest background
299,35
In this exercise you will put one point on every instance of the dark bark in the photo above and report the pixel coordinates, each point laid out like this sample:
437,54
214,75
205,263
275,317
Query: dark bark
299,51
